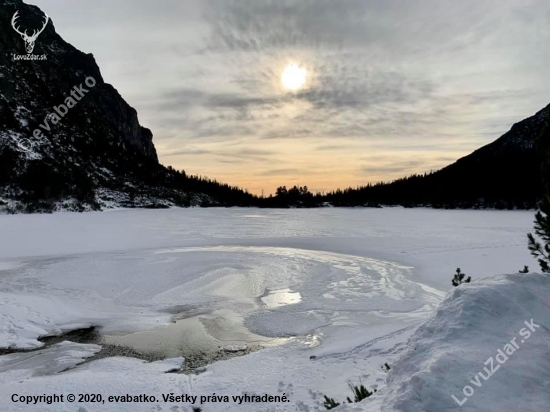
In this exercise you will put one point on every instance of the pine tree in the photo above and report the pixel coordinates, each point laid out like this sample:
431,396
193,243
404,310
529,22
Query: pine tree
330,403
459,278
525,269
360,392
540,248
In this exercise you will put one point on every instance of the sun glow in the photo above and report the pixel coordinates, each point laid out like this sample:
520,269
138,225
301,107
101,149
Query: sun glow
293,77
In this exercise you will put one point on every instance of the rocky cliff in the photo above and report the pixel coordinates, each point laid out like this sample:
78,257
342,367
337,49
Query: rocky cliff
67,138
30,89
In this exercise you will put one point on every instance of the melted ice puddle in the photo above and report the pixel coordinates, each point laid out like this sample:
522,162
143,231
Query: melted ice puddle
281,297
200,338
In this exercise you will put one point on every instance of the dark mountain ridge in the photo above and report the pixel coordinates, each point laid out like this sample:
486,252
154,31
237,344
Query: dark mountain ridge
92,153
505,174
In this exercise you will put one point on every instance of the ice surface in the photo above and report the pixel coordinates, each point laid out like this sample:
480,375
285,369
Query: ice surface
349,286
58,358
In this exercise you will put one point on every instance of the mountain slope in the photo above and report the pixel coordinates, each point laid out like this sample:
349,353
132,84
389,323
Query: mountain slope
92,152
502,174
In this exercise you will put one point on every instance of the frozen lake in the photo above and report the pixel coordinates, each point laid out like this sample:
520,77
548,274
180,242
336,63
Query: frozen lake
325,283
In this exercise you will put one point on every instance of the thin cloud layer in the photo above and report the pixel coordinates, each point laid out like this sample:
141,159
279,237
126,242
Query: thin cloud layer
393,87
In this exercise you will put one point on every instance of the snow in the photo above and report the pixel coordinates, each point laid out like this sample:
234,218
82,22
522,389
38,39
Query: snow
475,321
343,288
58,358
20,142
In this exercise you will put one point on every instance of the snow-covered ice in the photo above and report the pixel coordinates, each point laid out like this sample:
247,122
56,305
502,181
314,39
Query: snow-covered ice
344,288
58,358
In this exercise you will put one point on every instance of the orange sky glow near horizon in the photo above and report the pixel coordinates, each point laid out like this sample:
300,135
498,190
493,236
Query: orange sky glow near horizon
264,93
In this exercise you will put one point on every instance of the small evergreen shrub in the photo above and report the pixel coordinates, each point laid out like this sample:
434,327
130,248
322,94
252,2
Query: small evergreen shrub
540,248
330,403
460,278
359,393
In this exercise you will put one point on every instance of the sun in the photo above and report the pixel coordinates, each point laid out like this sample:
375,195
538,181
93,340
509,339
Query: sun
293,77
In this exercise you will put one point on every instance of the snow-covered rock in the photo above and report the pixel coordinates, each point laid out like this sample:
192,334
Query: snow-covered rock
474,324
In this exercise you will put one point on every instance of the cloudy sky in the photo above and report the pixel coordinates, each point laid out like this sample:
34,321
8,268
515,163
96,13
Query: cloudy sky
392,87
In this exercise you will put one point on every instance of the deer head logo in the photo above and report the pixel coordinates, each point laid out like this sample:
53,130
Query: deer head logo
29,40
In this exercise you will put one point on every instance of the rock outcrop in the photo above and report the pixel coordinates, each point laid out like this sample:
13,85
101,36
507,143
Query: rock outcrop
68,139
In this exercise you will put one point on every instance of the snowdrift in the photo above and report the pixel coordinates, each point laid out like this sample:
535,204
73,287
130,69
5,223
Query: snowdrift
488,345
